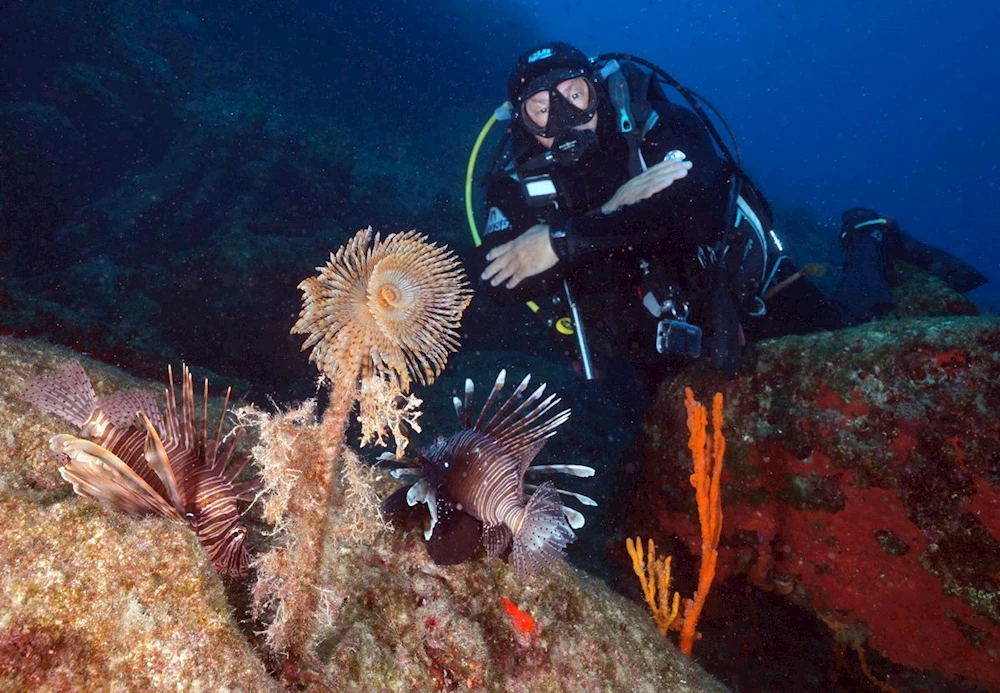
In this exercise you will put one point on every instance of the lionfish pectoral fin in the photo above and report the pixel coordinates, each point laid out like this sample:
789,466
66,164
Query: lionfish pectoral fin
97,473
544,532
578,470
496,539
159,462
575,518
248,490
456,536
228,466
422,492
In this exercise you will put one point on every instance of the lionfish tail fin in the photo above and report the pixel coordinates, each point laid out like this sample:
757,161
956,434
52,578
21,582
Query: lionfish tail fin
544,532
66,393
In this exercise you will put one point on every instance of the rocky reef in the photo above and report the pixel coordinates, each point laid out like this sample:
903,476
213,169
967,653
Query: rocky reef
861,482
93,598
170,171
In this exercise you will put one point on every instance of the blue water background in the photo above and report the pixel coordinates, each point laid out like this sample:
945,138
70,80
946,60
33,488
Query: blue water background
153,145
889,104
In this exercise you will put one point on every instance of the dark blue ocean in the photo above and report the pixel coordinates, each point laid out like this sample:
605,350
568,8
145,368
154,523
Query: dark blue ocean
890,105
153,152
170,170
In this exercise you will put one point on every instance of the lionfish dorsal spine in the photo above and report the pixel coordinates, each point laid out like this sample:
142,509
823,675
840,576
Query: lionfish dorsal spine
217,452
523,424
525,414
498,385
203,439
465,417
512,407
496,418
170,396
188,430
158,460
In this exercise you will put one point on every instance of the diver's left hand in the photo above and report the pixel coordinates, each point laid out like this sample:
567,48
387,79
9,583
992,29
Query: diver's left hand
529,254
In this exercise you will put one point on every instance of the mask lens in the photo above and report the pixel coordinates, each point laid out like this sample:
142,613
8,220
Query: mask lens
549,116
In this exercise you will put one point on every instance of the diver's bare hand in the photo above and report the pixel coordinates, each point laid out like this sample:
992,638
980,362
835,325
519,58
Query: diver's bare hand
527,255
648,183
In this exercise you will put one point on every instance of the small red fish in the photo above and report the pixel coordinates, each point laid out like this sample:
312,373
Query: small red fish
523,622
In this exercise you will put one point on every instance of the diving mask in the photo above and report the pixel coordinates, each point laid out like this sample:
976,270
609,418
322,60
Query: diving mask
560,112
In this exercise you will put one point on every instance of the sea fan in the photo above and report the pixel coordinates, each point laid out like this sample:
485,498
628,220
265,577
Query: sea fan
130,457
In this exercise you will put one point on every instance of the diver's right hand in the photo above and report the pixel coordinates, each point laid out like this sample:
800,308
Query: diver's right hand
529,254
648,183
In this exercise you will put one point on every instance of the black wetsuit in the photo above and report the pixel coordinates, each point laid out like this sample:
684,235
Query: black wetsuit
608,254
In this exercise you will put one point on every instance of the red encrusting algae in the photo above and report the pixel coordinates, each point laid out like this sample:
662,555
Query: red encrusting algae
523,622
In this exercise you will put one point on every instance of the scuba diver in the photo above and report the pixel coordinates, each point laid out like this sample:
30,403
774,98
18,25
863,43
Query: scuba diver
626,220
872,245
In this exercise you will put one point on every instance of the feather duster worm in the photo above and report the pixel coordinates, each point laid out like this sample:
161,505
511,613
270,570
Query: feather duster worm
130,457
381,314
473,483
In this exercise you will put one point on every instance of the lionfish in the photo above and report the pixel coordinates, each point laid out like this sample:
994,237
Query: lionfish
131,458
473,483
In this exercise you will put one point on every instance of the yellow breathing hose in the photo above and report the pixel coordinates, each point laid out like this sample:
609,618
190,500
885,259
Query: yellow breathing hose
468,179
469,170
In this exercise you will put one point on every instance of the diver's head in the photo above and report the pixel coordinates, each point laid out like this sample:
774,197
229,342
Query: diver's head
551,91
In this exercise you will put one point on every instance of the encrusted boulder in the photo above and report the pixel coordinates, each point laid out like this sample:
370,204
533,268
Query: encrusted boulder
861,480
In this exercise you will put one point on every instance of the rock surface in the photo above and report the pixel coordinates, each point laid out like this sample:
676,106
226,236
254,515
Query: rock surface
861,480
90,598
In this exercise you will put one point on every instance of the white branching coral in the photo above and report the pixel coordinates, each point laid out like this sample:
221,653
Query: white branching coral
384,410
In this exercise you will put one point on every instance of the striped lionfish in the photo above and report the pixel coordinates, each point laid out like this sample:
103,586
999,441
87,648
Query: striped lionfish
132,458
473,483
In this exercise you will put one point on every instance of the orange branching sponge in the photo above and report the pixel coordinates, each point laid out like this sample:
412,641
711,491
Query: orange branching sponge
654,576
381,314
707,453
